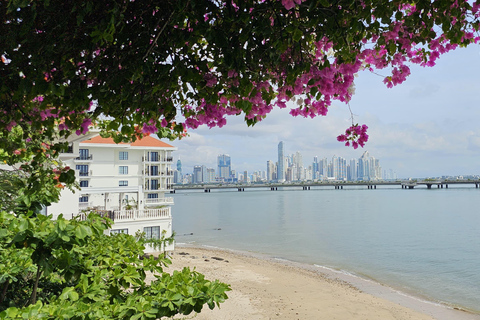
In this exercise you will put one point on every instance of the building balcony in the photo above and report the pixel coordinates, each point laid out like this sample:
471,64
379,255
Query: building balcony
131,215
168,173
157,159
84,205
81,158
85,173
159,201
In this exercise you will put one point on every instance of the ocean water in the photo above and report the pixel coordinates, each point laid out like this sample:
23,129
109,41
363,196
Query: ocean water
421,242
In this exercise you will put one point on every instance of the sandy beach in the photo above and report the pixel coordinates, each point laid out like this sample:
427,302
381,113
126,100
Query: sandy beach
265,288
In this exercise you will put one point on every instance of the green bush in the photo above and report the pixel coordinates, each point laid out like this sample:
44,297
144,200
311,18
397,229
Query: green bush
70,269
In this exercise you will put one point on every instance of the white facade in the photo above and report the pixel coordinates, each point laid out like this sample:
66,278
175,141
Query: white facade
126,182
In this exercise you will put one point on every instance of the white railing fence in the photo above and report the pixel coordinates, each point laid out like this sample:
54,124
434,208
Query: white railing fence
166,200
132,215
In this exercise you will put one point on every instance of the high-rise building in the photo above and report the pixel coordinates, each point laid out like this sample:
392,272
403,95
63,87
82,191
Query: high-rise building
352,170
298,162
177,174
281,162
210,176
197,176
224,170
315,171
270,170
364,167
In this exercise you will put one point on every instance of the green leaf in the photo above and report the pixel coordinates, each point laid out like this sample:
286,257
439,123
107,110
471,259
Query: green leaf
297,35
82,231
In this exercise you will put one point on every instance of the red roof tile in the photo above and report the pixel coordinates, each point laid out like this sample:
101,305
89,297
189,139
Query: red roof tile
147,141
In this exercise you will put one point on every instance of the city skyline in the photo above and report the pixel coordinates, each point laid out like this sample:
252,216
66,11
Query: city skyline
425,127
289,167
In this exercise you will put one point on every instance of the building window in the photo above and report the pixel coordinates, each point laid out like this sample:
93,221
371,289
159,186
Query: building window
122,183
116,231
153,156
123,170
152,232
152,196
82,169
154,185
123,155
154,170
83,183
84,155
83,199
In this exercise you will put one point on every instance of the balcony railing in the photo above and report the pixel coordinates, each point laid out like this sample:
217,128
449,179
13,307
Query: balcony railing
158,174
131,215
157,159
84,205
84,158
160,201
85,173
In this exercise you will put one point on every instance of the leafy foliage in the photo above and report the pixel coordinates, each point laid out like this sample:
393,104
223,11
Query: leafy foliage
133,68
71,269
139,67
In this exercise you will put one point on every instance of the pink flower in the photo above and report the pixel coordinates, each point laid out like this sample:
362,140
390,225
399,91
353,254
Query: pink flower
210,79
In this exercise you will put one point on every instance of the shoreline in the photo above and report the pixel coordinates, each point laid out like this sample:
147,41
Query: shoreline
313,287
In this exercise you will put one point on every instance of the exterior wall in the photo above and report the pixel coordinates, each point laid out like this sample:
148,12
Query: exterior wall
108,189
133,226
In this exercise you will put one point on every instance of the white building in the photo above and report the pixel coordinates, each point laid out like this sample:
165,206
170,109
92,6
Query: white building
126,182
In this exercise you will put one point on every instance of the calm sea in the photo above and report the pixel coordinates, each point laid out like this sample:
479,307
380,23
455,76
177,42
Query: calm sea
425,242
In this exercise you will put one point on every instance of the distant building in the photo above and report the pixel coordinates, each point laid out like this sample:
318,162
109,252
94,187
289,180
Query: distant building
281,162
210,175
224,168
271,175
199,174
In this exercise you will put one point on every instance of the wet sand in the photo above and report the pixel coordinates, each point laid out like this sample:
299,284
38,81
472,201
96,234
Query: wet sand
266,288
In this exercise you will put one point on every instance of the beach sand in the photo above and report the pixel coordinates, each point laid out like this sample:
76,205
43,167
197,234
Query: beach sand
265,288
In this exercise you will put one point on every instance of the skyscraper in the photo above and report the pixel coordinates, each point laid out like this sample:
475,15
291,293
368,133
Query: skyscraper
224,167
270,170
177,176
281,162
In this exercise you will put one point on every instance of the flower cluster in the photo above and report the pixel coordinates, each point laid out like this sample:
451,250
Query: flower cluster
355,136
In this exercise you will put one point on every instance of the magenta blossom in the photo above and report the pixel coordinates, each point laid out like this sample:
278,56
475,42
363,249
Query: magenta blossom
355,135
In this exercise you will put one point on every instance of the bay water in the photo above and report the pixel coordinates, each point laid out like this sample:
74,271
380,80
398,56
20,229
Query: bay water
422,242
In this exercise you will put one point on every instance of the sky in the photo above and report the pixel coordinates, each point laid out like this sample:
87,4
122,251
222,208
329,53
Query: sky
429,126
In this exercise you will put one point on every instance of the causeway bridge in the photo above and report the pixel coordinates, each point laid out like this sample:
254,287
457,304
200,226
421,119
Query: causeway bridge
404,184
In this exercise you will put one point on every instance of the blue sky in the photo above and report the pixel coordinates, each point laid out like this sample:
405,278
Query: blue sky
426,127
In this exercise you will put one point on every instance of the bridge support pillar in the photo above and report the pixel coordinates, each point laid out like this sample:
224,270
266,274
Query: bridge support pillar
446,186
429,186
341,187
375,187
